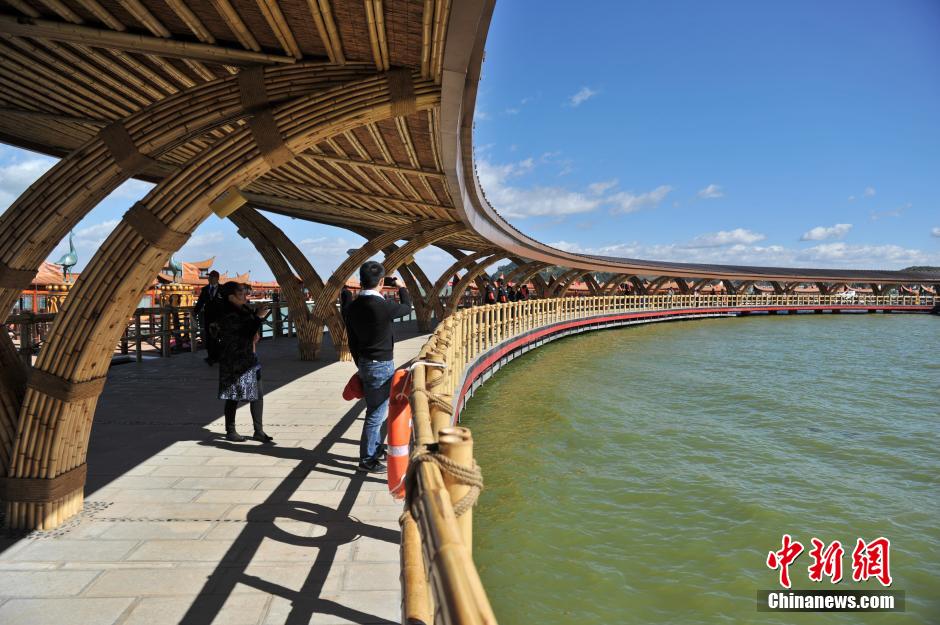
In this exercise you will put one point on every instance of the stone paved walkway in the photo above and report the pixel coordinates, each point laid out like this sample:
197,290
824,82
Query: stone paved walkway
181,526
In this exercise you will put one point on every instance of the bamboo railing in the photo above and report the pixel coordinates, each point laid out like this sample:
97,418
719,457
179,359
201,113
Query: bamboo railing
440,583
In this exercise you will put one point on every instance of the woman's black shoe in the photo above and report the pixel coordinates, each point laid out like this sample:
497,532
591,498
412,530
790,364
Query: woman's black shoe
235,437
261,437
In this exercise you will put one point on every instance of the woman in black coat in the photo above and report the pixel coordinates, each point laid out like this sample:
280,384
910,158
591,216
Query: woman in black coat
239,369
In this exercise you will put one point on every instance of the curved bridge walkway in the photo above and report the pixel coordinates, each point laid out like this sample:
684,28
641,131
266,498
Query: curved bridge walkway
180,526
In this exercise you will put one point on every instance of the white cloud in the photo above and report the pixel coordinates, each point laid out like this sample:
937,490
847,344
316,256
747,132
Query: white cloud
935,232
726,237
516,201
829,255
599,188
584,94
198,242
820,233
627,202
16,177
87,240
869,191
711,191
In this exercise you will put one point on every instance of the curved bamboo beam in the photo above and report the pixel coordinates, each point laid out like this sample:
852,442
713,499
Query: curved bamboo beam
289,283
471,274
54,204
567,285
613,283
419,242
331,289
525,270
55,418
555,288
311,280
462,263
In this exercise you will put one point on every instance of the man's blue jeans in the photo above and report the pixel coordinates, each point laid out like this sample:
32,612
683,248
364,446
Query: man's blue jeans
376,378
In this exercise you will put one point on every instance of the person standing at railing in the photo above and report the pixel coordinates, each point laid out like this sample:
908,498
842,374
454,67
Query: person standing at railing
502,295
239,368
371,342
210,304
489,293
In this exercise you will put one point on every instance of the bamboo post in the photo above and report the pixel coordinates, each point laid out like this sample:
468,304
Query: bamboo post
456,443
191,324
165,332
277,319
416,598
26,338
137,336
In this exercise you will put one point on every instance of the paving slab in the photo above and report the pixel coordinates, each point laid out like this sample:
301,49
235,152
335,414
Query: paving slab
184,527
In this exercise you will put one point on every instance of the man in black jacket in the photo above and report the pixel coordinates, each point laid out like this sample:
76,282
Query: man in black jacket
211,305
371,341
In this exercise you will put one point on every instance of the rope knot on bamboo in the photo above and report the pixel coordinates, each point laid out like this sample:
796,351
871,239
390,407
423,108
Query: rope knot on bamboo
468,476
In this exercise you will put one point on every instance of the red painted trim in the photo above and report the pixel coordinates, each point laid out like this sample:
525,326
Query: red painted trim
498,352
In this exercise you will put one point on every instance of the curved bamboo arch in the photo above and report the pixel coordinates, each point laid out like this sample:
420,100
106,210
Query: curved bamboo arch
289,283
458,254
464,262
43,214
419,242
472,273
525,270
639,285
562,281
591,281
331,289
57,410
408,277
310,278
613,283
534,275
568,284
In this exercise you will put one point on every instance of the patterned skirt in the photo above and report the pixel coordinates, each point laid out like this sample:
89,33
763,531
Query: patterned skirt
246,388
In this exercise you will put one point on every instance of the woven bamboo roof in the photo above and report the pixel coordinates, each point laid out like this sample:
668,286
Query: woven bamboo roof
71,68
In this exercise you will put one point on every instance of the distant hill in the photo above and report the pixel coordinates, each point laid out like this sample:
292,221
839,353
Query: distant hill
923,268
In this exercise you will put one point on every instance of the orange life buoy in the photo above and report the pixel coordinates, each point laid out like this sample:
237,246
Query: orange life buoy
399,432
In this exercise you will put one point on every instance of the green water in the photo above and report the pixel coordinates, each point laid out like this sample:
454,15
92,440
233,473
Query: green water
641,475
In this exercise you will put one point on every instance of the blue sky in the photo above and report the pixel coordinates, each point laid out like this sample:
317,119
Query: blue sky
787,133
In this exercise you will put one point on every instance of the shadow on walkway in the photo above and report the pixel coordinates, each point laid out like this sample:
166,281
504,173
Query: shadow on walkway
340,528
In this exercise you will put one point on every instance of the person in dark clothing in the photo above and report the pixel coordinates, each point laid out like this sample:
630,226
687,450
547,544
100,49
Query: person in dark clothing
239,369
512,294
523,293
501,295
345,298
371,342
489,293
210,307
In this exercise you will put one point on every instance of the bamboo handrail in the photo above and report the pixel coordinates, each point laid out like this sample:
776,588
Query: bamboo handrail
431,528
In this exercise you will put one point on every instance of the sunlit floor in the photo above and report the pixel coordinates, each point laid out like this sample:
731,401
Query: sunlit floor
181,526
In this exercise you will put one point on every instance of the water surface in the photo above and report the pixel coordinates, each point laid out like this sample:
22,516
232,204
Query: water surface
641,475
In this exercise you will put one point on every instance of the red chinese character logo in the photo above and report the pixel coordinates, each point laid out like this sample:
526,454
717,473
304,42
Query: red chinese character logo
828,561
784,558
871,560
